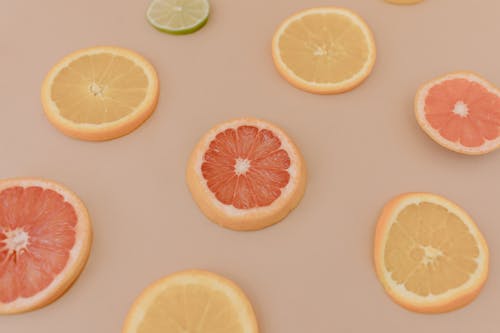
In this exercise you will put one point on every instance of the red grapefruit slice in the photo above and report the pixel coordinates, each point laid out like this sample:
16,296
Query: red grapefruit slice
45,237
460,111
246,174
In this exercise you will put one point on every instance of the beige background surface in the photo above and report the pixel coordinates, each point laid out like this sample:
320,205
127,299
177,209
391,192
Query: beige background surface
312,272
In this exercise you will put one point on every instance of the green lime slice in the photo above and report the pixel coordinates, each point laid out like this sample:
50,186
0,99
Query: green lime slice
178,16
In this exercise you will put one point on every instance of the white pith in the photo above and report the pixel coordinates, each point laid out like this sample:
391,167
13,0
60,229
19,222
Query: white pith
461,109
241,166
16,240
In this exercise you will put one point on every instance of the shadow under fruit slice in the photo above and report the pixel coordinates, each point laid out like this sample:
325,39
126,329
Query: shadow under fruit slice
429,254
325,50
246,174
461,112
45,239
191,301
100,93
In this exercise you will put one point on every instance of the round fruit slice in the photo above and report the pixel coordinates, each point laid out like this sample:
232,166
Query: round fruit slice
178,16
324,50
246,174
45,238
460,111
404,2
100,93
192,301
429,254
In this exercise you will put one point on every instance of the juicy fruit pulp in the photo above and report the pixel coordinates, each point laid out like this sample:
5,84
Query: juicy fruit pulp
245,167
99,88
178,16
202,310
463,111
36,235
192,301
430,250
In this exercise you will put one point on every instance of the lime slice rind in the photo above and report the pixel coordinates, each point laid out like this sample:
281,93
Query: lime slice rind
178,17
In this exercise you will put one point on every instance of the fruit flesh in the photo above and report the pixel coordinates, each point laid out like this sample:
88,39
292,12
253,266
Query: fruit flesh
246,167
99,88
36,235
430,250
324,48
190,308
463,111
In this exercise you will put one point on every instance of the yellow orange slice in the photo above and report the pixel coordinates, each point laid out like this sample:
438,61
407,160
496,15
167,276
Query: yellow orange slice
100,93
246,174
192,301
324,50
429,254
45,238
461,112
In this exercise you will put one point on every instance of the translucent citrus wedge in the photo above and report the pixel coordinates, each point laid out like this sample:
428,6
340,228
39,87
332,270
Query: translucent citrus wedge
45,238
324,50
191,301
461,112
100,93
246,174
429,254
178,16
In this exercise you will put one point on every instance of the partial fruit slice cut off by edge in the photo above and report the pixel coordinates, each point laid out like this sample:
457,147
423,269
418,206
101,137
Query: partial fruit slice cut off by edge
191,301
324,50
460,111
45,238
429,254
404,2
246,174
100,93
178,16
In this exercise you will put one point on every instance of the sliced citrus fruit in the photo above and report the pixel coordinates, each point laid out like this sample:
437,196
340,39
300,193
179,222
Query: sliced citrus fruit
324,50
429,254
178,16
100,93
191,301
246,174
45,238
404,2
460,111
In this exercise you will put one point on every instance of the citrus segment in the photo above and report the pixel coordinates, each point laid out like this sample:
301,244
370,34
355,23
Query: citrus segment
192,301
246,174
324,50
100,93
44,242
460,111
429,254
178,16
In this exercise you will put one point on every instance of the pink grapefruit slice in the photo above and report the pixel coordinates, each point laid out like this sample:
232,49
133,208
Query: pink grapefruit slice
45,238
246,174
461,112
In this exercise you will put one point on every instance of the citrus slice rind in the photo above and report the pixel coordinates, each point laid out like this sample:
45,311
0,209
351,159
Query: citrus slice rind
212,303
472,99
276,190
324,50
178,17
416,268
89,85
42,254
